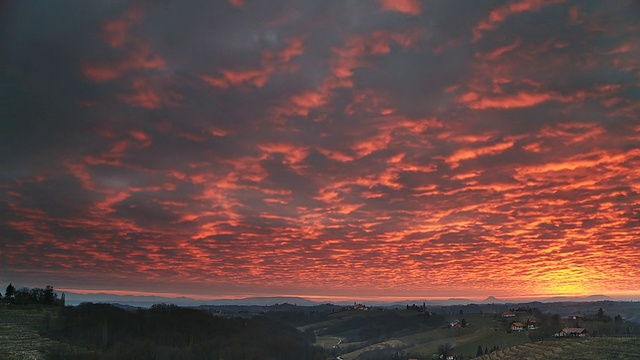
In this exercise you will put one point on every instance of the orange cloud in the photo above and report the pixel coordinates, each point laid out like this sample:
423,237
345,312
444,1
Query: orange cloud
581,161
291,153
411,7
572,133
298,104
472,153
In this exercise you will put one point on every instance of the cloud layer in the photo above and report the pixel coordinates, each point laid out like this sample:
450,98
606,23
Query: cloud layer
347,148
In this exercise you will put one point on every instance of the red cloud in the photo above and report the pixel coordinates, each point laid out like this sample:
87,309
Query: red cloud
295,47
292,154
137,56
411,7
271,64
229,78
498,16
116,32
356,48
519,100
147,93
237,3
498,52
101,73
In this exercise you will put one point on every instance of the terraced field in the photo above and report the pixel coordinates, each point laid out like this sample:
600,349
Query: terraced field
571,349
19,327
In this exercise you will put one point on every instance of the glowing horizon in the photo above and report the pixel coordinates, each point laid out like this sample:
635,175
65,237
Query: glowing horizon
629,296
334,150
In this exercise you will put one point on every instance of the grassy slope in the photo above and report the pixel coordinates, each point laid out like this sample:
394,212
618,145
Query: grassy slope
571,349
19,331
487,332
484,331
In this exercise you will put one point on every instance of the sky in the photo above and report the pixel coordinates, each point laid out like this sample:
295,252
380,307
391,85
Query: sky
335,149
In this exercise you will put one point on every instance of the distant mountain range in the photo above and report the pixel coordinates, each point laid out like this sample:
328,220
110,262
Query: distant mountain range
578,298
147,301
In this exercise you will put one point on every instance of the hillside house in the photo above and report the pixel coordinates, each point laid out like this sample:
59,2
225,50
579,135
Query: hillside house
450,355
359,306
508,314
517,326
572,332
532,324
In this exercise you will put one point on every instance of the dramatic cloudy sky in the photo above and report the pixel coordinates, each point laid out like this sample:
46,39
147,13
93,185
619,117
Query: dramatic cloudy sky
354,148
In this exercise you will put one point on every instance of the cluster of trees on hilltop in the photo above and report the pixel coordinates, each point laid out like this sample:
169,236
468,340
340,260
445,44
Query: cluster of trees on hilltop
27,296
172,332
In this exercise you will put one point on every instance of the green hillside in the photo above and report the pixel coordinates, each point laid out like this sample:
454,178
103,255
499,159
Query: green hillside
572,349
20,328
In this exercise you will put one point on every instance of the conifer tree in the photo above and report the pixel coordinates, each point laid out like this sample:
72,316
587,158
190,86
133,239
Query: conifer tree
10,291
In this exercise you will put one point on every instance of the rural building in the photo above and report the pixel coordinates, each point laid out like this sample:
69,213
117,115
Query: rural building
359,306
572,332
508,314
517,326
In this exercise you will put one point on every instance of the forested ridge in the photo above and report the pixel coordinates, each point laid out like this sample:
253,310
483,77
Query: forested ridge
103,331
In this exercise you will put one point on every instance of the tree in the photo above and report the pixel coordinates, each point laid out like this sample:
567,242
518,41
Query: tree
23,296
479,352
48,296
8,294
463,323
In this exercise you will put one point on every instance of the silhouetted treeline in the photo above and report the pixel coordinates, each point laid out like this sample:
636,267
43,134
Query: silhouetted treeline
27,296
172,332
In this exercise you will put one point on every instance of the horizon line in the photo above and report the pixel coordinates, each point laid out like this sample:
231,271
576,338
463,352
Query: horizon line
346,298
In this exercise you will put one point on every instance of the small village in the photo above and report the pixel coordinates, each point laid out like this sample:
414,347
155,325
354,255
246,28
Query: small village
523,321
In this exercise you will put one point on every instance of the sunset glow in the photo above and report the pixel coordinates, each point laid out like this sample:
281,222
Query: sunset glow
333,150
